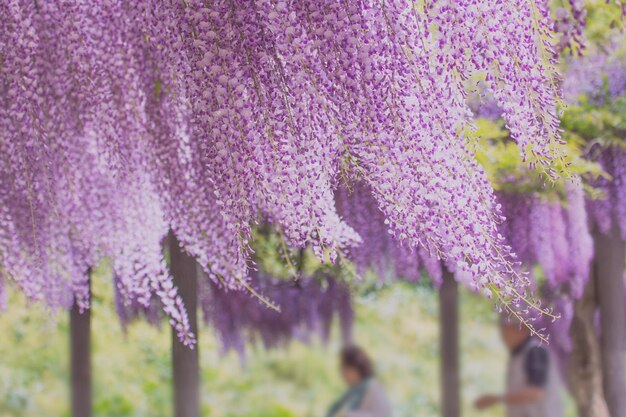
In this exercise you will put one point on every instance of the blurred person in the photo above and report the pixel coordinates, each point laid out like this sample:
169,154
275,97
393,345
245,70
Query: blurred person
533,380
365,397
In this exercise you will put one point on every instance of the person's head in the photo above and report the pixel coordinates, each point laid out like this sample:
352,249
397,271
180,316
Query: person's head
355,365
513,332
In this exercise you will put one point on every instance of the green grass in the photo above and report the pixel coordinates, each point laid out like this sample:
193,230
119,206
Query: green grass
397,324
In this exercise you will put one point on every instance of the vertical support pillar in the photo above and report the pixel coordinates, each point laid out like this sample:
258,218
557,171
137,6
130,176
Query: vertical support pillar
185,360
449,346
609,268
584,369
80,360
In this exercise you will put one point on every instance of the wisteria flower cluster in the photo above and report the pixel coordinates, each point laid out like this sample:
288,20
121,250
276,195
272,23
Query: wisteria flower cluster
379,251
597,77
546,225
302,308
550,234
121,120
570,23
555,236
595,85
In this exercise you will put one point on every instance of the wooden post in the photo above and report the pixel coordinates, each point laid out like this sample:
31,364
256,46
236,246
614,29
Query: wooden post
609,268
80,361
584,365
449,346
185,365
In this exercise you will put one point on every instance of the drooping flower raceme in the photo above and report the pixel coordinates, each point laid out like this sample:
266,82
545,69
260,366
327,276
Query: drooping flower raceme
379,251
570,24
305,307
551,234
595,85
223,113
65,204
556,237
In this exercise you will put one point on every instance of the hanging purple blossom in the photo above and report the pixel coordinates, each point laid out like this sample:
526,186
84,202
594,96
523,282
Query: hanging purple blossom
552,234
122,120
379,251
306,306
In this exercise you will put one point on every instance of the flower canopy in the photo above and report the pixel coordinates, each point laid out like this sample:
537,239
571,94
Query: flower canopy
121,120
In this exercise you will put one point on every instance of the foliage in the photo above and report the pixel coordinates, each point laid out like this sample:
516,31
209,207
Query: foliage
596,86
508,173
604,20
601,123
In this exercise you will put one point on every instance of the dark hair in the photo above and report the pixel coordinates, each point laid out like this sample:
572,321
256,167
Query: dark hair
354,357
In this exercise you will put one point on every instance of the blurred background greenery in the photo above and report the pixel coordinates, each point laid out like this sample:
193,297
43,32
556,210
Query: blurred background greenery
397,324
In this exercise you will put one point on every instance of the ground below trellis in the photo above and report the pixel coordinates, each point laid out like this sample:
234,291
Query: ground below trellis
398,324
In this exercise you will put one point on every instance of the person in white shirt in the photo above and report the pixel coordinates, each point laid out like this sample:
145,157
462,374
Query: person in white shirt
533,380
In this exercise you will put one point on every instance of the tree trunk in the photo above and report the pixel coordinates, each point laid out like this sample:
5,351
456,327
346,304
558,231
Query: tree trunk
449,346
584,365
80,361
609,269
184,359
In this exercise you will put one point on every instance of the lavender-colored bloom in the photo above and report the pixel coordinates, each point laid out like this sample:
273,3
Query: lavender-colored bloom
600,75
379,251
551,234
122,120
570,24
307,306
611,208
555,236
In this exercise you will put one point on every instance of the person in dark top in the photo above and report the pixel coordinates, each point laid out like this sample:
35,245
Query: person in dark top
364,397
533,381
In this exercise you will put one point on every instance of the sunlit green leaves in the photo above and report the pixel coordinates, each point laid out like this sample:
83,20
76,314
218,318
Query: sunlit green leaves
501,159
